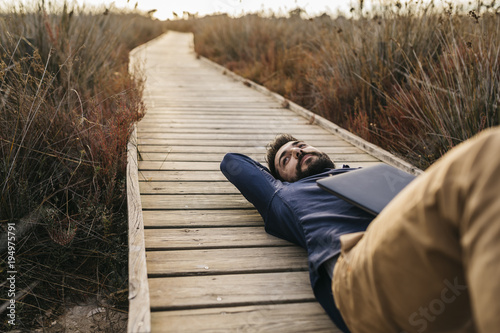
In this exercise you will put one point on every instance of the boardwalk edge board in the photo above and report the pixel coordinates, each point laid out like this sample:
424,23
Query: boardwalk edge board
139,308
139,314
366,146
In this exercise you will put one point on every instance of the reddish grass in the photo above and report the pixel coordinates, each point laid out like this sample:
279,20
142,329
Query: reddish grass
67,107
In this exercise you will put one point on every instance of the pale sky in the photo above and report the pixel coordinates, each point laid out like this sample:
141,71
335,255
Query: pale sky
232,7
165,8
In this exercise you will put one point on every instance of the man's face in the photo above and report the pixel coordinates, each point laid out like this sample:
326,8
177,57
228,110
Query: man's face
296,160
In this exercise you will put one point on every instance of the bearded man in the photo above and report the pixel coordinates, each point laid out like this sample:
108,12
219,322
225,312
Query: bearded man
294,208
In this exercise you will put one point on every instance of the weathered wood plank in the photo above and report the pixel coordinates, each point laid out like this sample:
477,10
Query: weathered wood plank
202,218
222,122
198,238
226,261
183,117
200,94
218,105
225,149
213,102
298,131
289,318
178,97
173,112
140,318
233,143
181,176
217,93
192,157
195,201
233,136
276,127
187,188
174,165
224,290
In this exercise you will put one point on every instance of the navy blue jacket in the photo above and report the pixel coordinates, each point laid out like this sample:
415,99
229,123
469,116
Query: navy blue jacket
302,213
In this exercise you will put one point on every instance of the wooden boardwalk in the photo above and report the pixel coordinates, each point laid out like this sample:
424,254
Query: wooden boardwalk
210,265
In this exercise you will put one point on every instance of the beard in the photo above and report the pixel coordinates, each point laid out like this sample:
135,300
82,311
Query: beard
315,166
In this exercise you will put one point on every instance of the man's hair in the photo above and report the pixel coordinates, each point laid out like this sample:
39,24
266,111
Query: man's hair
272,150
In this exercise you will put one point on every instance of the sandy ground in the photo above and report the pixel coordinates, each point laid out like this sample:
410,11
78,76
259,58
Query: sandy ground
90,317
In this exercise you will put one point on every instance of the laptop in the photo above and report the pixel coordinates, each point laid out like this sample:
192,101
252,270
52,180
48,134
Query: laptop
370,188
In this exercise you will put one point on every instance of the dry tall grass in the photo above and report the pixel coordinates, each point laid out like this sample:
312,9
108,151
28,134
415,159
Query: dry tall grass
413,78
67,104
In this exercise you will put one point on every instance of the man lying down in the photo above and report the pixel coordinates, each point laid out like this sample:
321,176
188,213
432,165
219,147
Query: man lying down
429,262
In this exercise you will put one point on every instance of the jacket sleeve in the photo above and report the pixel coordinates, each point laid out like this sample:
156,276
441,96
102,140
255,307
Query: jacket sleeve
252,179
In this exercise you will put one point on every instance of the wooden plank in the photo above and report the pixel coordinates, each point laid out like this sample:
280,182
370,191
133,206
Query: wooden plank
214,103
202,218
298,131
193,157
183,117
226,261
233,143
178,98
198,94
218,105
172,102
225,149
289,318
180,110
173,112
139,317
222,122
276,127
205,238
215,93
174,165
244,94
195,201
229,290
187,188
181,176
234,136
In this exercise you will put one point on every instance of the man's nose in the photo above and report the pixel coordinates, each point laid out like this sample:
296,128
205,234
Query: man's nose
296,152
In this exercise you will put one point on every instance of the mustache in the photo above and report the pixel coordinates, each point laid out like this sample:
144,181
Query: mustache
305,154
301,156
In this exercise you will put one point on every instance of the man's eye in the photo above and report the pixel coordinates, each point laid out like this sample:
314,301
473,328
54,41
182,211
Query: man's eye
285,161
